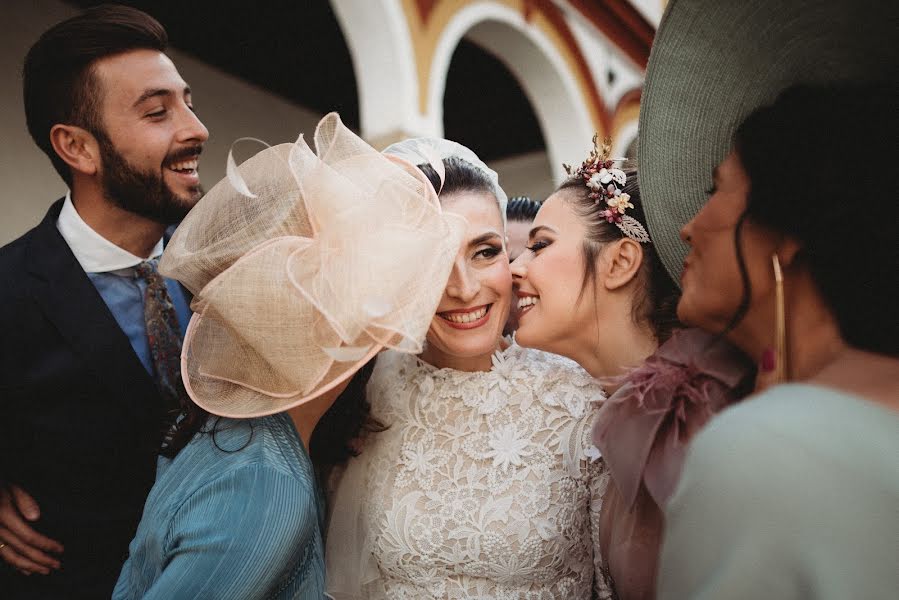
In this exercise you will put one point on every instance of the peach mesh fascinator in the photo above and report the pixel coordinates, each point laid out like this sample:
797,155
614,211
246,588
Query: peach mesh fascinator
303,266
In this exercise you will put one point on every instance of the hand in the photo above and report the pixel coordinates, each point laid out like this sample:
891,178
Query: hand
24,548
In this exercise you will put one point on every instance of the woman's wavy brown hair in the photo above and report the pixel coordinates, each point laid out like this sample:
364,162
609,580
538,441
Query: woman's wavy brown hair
656,300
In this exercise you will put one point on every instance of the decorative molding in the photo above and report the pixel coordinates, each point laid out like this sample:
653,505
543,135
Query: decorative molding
624,26
627,110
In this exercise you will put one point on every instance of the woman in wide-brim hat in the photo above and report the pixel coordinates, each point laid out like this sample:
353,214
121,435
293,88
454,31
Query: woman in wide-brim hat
793,493
786,495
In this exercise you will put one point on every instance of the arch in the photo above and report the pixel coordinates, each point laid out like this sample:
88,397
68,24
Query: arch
624,126
385,70
624,139
533,59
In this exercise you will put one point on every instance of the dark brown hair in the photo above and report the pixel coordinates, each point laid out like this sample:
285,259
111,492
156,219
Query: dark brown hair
459,176
336,437
522,208
655,302
58,82
798,154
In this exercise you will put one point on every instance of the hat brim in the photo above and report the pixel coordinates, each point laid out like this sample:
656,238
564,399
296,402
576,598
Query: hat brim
715,61
247,402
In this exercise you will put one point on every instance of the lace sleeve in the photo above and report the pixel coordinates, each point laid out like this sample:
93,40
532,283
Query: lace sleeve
599,481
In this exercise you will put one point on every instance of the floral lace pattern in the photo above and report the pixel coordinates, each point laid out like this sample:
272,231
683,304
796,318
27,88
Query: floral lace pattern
485,484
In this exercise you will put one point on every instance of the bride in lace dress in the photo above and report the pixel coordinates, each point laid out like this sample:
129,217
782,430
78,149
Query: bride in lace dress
485,483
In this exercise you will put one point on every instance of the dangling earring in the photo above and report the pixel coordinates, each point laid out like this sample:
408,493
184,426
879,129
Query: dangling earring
780,325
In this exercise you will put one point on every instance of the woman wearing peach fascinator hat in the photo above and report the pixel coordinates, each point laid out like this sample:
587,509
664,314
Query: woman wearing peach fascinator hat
296,263
484,483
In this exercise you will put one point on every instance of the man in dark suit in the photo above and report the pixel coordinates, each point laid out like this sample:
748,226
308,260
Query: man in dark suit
90,331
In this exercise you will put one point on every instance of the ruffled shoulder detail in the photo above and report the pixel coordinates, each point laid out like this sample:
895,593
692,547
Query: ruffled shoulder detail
644,428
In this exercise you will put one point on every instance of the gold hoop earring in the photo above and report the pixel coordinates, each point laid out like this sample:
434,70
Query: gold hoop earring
780,324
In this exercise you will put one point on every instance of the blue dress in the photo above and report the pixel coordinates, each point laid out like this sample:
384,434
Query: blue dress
237,517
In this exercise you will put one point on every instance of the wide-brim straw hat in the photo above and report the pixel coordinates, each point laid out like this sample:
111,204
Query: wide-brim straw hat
305,265
715,61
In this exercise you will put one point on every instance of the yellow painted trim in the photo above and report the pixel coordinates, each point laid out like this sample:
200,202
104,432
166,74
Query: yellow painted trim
426,36
626,114
571,62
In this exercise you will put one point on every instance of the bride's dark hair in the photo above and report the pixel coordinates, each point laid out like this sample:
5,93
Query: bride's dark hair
460,176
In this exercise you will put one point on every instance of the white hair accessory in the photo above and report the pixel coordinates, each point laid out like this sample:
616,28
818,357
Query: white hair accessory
426,150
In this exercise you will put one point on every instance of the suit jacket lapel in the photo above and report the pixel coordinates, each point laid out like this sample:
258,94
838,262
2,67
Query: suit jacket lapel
71,302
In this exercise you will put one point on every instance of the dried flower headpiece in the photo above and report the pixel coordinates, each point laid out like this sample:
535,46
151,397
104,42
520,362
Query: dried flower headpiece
605,184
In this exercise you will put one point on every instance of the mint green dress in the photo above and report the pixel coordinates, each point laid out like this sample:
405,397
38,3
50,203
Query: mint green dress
791,494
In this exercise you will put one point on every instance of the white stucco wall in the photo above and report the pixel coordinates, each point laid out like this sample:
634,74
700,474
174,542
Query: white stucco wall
388,87
525,175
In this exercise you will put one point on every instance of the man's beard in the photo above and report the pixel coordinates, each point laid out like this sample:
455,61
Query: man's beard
144,193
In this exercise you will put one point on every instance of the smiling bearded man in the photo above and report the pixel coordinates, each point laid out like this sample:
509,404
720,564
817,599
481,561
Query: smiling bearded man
90,375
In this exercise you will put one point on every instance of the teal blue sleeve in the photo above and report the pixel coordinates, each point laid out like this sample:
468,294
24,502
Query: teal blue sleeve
240,536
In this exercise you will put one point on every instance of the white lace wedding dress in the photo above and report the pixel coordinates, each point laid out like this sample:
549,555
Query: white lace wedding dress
485,485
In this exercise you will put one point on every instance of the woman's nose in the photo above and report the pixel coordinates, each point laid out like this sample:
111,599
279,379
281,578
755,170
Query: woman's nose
519,266
463,284
685,234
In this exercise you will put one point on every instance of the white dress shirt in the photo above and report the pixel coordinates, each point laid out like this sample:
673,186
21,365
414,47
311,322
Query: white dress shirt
94,252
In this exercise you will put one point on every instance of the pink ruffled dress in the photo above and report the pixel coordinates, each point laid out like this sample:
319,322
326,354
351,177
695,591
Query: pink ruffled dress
643,431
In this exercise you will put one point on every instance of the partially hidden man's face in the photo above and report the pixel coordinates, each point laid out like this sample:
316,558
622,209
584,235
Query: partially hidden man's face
151,139
517,236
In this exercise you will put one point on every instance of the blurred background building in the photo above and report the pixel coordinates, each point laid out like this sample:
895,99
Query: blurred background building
524,83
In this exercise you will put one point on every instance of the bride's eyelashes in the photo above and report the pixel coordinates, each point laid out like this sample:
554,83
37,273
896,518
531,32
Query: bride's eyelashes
488,252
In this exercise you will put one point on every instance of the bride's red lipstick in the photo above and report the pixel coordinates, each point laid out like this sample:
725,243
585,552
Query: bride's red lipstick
445,317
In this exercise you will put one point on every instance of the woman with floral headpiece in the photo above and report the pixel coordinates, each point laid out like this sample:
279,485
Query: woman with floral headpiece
485,483
592,287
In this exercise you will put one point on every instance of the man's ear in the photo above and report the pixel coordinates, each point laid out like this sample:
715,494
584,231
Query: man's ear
77,147
621,263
